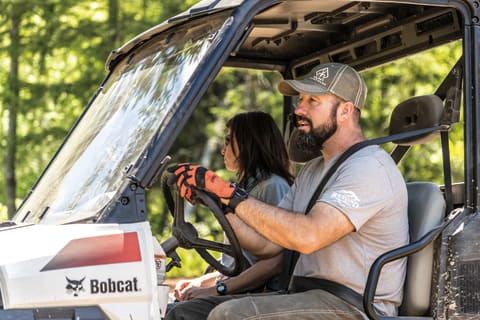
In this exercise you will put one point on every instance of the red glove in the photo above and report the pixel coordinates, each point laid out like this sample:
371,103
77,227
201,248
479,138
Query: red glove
184,189
188,176
197,176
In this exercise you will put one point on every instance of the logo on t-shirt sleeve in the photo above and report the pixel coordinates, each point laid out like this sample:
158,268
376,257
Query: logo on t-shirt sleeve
346,199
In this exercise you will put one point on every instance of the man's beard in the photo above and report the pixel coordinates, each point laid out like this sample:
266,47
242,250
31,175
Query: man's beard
315,138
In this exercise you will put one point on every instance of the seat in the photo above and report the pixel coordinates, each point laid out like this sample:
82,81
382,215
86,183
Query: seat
426,210
426,213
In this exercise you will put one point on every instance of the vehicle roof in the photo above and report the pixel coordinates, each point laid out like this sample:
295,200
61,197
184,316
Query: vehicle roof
300,33
361,34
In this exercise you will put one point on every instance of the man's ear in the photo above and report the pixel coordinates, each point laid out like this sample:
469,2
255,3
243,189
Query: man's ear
346,108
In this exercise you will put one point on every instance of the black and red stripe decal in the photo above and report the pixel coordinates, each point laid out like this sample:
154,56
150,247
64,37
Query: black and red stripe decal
99,250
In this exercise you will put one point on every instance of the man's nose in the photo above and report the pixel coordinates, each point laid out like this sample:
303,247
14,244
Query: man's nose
300,109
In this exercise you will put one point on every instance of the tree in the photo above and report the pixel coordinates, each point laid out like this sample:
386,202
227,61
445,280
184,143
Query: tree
55,53
37,36
12,105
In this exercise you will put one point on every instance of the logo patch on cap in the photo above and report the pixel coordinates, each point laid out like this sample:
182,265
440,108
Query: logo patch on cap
321,75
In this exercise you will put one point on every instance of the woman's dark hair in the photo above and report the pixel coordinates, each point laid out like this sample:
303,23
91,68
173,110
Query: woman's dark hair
260,145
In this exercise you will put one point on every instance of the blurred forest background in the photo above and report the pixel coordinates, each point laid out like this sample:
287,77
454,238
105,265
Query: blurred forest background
52,55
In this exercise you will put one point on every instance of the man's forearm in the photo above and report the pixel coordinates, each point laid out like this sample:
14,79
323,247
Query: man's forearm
251,240
304,233
269,221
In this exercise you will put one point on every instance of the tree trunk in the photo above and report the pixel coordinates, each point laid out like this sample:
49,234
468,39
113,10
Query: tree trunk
113,13
12,109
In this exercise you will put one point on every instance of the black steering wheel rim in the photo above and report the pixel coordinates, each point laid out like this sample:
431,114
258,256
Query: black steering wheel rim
187,236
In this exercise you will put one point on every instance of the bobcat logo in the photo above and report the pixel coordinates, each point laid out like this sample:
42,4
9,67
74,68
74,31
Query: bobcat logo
321,75
74,286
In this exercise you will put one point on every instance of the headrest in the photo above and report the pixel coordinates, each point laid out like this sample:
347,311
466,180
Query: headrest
416,113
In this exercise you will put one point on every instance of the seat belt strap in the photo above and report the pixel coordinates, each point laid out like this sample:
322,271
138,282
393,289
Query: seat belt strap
447,172
301,284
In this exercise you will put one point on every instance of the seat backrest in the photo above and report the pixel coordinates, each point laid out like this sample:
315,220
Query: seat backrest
426,210
416,113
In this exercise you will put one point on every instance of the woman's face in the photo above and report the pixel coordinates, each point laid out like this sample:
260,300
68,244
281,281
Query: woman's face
230,148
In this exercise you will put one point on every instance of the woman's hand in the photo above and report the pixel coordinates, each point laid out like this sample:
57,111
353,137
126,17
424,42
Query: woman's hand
183,286
186,289
195,292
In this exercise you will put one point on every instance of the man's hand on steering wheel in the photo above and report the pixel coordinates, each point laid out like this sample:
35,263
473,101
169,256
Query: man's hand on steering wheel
188,176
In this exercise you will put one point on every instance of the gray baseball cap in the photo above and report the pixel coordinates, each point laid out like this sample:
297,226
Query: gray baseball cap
335,78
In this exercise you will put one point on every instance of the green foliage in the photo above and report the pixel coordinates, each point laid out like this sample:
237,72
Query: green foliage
192,265
3,213
64,45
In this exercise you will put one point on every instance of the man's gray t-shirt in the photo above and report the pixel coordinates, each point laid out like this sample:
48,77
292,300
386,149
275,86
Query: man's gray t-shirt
370,191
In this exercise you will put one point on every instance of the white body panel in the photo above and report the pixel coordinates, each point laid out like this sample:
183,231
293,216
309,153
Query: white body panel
109,265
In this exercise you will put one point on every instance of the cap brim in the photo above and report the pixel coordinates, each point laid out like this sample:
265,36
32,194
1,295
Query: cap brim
295,87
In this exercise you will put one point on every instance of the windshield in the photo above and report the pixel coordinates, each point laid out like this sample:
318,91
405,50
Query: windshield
138,98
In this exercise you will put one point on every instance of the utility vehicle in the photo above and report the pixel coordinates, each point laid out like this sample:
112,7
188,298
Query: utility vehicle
80,245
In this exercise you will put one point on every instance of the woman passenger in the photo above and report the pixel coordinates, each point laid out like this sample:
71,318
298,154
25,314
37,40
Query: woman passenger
254,149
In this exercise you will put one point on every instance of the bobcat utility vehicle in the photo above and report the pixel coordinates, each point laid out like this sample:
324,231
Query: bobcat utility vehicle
80,245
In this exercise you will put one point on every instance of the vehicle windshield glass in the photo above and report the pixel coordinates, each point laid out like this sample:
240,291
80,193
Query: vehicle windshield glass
138,98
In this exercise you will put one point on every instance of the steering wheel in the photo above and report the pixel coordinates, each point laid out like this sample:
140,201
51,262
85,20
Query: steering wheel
186,236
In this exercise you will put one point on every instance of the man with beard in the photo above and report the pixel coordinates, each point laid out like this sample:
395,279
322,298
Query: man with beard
361,213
